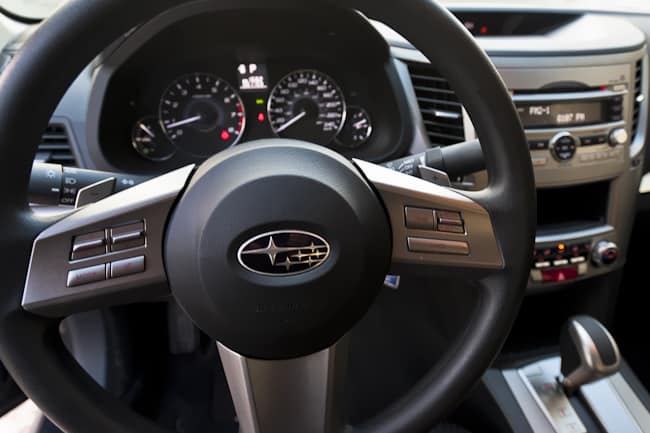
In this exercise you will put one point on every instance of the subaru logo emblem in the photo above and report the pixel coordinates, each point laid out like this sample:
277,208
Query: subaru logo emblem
283,253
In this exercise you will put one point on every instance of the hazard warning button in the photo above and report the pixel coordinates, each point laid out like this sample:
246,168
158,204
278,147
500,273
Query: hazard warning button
556,275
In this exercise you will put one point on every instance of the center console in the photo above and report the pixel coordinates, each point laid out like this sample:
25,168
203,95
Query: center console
581,97
580,85
583,128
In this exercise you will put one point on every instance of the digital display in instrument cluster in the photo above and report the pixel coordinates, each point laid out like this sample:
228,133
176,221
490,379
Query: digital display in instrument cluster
561,114
252,77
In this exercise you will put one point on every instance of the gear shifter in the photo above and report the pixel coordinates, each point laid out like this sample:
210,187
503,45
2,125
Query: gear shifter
588,351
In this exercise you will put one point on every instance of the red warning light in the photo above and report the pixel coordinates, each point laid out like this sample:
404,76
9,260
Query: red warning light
261,117
484,30
225,135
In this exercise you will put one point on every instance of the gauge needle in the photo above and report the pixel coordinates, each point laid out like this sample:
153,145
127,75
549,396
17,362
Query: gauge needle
291,122
148,131
360,124
183,122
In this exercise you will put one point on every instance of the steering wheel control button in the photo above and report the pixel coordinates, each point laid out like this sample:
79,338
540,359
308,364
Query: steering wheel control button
130,266
563,146
127,236
450,228
89,245
437,246
419,218
450,222
91,274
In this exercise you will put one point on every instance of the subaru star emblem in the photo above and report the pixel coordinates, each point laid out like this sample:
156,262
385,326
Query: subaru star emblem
283,253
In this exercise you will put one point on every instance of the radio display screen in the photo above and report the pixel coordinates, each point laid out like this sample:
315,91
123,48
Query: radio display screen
540,115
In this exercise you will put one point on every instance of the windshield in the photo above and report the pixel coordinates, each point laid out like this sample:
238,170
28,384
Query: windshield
43,8
31,8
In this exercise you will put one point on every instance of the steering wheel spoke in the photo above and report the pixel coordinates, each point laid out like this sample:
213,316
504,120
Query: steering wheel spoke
106,253
291,396
435,227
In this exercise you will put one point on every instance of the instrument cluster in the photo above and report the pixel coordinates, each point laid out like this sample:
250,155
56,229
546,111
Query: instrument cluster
193,89
201,114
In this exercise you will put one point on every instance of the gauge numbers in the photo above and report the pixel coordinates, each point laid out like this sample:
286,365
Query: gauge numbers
307,105
202,114
150,141
357,129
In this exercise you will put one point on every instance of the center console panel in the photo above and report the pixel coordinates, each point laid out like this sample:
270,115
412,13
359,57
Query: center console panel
582,103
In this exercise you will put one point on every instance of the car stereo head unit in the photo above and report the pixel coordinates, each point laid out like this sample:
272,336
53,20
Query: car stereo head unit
549,114
581,129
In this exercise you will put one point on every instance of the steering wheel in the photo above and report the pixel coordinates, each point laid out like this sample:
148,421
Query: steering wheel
275,248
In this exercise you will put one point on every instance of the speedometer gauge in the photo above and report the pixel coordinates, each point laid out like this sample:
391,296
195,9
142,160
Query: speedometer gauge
307,105
202,114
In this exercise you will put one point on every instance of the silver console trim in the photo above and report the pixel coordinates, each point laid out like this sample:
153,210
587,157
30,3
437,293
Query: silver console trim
575,235
575,129
608,407
569,96
609,399
644,188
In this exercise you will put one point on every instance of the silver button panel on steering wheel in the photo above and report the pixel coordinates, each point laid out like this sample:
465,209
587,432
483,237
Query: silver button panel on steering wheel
434,225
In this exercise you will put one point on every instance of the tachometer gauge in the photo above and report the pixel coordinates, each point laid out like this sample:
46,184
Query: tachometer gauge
357,129
202,114
150,141
307,105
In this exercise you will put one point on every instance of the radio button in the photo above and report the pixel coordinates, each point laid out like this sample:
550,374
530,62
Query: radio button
616,109
537,144
539,161
587,157
617,137
563,146
587,141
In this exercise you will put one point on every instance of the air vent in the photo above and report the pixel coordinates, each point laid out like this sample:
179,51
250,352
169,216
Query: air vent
638,96
55,146
441,110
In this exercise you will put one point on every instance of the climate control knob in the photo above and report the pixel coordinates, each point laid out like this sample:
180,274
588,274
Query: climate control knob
563,146
618,137
604,253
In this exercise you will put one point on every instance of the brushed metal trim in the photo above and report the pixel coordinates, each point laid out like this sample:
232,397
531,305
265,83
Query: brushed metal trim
290,396
574,235
46,292
608,408
611,400
399,191
644,188
591,366
568,96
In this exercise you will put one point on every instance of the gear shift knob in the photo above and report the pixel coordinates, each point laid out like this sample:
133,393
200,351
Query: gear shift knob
588,351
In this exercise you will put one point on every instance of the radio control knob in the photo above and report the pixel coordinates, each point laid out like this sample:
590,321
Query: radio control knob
604,253
617,137
563,146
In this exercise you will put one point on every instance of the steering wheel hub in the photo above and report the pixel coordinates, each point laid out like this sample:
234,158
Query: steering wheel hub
277,248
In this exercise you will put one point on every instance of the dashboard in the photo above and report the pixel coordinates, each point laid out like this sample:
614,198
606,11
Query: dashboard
199,79
208,82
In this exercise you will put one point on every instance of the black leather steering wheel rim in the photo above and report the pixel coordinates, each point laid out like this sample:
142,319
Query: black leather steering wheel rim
30,346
